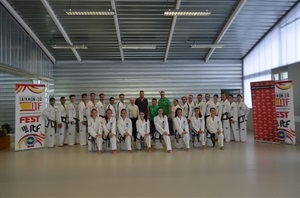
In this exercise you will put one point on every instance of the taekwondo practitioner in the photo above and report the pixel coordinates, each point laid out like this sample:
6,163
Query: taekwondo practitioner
243,112
153,109
234,119
124,125
82,109
50,122
133,113
111,106
72,116
143,132
95,132
225,117
201,104
162,129
181,130
120,105
198,126
214,126
90,105
191,102
109,128
62,121
186,109
217,106
100,106
174,107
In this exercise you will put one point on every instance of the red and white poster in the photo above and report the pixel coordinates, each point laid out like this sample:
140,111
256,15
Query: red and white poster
29,125
284,101
264,111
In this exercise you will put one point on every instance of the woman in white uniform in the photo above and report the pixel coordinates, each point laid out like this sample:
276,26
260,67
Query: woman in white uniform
95,132
109,128
125,129
143,131
182,127
214,126
162,127
198,126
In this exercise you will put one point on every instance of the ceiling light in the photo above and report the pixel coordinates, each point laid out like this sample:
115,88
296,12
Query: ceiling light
186,13
207,46
69,46
89,12
138,46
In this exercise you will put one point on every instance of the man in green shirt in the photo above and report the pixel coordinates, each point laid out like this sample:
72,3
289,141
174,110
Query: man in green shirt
152,113
165,104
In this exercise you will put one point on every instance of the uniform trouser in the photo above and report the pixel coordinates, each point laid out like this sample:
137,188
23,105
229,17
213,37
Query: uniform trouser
50,136
226,130
144,138
235,130
82,134
128,143
220,138
243,131
168,142
202,138
186,140
112,141
71,133
98,141
62,134
134,132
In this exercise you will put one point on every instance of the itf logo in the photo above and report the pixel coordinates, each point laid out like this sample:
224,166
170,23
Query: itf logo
24,129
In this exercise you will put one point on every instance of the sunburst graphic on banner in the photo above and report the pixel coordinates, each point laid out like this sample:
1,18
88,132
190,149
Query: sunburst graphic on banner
284,85
283,134
33,88
31,139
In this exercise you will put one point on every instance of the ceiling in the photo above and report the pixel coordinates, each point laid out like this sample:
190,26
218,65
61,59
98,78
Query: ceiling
143,22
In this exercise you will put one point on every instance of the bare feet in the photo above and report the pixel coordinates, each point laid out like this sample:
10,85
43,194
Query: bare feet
222,148
100,152
149,150
169,151
202,148
114,152
128,151
187,149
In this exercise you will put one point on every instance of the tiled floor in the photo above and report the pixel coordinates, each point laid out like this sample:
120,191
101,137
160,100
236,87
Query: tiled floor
241,170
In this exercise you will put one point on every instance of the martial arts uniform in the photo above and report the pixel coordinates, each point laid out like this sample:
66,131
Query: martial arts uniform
234,125
218,108
100,109
181,125
193,106
112,108
225,119
187,111
161,125
82,109
208,105
243,112
89,107
125,126
50,122
110,126
142,128
63,120
197,125
72,115
213,125
118,108
94,128
173,111
201,106
133,113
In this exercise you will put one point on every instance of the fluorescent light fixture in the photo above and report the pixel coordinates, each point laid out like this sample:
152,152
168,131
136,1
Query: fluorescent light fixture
207,46
138,46
69,46
186,13
89,12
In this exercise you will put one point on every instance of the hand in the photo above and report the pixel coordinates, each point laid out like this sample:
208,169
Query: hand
72,122
59,125
232,121
147,134
200,131
110,134
184,132
165,133
98,135
219,132
84,122
189,121
127,134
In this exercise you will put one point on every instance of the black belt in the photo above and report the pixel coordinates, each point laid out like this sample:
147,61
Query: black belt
101,116
177,136
64,120
52,123
242,119
225,116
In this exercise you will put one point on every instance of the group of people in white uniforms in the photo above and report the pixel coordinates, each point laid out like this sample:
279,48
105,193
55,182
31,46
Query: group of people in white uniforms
191,121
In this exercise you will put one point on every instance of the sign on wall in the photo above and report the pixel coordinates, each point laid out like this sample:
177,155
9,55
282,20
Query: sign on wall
284,102
29,124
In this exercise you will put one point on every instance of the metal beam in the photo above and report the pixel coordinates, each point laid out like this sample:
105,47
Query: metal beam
60,27
113,6
12,11
226,27
171,31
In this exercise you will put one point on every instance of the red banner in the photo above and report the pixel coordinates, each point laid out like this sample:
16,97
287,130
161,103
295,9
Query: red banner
264,111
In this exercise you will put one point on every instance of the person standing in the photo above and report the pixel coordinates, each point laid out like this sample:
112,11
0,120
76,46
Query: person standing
225,117
100,105
120,105
234,119
132,113
95,132
143,131
165,104
82,109
109,128
201,104
91,105
243,112
111,106
153,109
162,127
174,107
182,127
50,122
72,115
142,102
62,121
124,125
217,106
214,126
186,109
191,102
